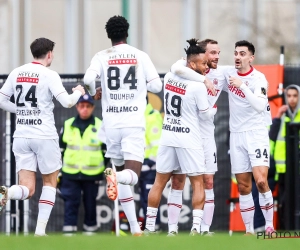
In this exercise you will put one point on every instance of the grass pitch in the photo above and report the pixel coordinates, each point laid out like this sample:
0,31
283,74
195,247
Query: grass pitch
108,241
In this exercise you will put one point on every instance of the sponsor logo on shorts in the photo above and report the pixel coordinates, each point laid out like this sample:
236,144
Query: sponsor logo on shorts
122,109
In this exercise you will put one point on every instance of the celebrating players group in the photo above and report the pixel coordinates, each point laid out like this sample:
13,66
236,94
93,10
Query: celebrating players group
187,145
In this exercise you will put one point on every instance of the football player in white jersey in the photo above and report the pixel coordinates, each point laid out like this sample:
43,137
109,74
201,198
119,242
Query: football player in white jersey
249,140
33,86
216,76
181,150
126,74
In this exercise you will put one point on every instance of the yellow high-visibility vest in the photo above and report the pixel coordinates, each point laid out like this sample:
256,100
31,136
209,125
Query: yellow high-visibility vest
279,146
154,123
83,154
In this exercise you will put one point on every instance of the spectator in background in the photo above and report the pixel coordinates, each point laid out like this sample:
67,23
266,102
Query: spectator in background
83,164
154,123
286,113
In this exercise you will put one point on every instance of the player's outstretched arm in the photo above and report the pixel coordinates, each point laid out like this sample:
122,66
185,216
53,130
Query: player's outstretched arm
208,113
68,101
6,104
258,100
179,68
89,81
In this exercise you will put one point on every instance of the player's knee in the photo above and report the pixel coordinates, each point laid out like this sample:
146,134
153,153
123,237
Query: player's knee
177,184
262,184
209,184
244,188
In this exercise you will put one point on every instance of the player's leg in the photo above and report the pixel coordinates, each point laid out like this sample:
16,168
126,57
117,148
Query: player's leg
198,200
71,193
175,201
146,182
154,198
241,167
265,196
192,162
210,153
132,146
123,144
258,142
166,163
124,194
90,192
25,166
49,165
209,205
247,208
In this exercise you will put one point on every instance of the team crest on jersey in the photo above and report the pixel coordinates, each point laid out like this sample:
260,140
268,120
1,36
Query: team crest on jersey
215,82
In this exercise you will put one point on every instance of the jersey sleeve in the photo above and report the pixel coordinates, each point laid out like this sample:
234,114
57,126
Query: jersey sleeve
257,99
95,66
55,85
7,89
261,87
179,68
201,98
149,69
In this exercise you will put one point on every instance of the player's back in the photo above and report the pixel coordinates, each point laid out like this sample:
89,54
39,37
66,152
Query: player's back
33,86
182,101
124,71
243,117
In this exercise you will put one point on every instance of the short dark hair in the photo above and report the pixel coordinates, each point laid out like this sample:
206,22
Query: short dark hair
204,43
193,49
292,87
117,28
244,43
40,47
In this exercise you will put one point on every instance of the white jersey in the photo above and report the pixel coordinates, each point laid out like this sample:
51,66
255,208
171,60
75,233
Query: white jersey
243,117
183,100
124,72
33,86
217,77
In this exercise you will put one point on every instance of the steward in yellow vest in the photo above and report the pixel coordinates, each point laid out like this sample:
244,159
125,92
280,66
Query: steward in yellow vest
286,113
83,164
277,134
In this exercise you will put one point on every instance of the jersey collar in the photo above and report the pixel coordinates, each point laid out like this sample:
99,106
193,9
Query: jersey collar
37,63
247,73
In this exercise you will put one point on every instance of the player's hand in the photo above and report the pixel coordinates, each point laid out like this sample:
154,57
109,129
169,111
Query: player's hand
80,88
236,82
282,110
210,86
98,94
